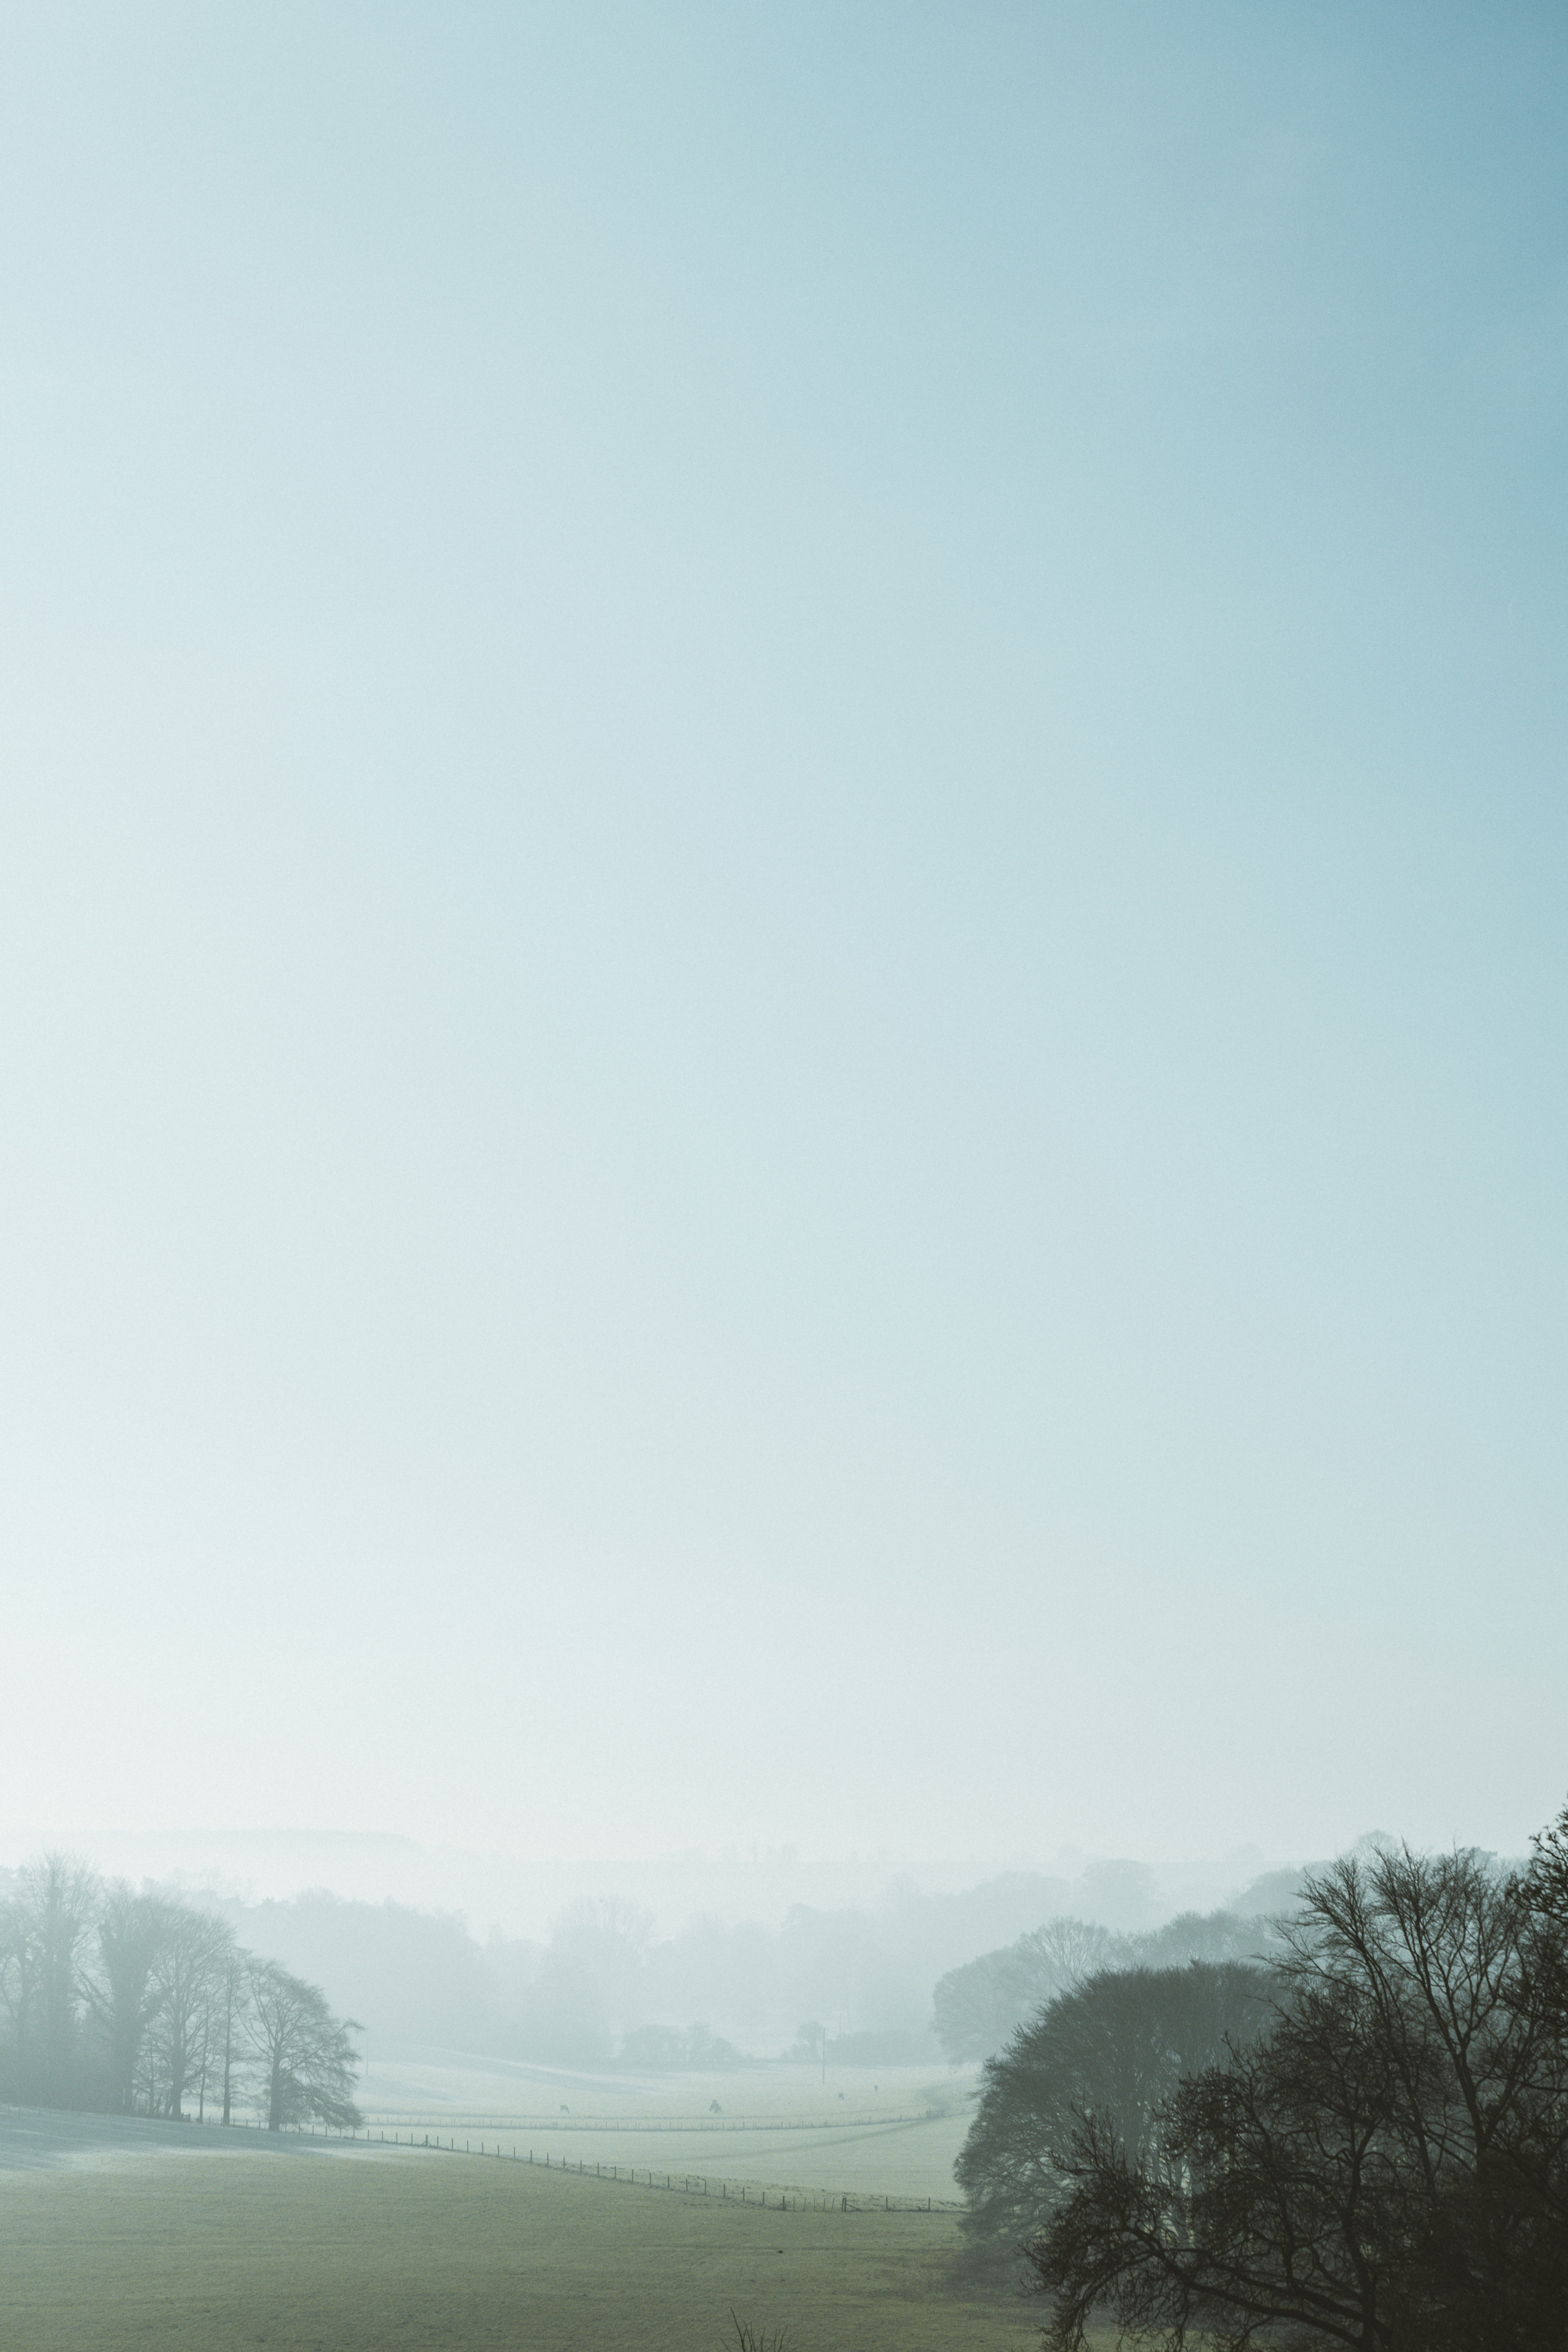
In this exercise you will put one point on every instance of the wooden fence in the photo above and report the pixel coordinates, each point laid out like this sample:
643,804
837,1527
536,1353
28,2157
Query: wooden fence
681,2184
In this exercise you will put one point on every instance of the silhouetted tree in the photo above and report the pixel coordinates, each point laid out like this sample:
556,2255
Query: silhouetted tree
1386,2169
976,2009
171,2004
120,1989
187,1974
1546,1889
231,2011
19,1963
57,1904
303,2053
1111,2049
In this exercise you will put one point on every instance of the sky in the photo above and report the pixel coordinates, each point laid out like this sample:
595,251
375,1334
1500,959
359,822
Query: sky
782,949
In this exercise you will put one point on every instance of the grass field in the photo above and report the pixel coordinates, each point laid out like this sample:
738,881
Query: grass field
871,2132
342,2251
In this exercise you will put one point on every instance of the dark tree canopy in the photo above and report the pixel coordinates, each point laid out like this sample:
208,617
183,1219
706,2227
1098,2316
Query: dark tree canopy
1385,2168
1114,2048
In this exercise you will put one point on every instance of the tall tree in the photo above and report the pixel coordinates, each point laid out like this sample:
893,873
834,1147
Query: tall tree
19,1970
121,1989
190,1965
304,2055
1546,1890
59,1895
1387,2169
231,2012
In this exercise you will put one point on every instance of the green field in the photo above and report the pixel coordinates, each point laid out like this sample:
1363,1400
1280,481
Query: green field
192,2252
873,2132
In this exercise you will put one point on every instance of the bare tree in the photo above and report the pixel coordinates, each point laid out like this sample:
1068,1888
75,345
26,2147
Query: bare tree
174,2009
19,1978
218,2054
1067,1952
980,2005
189,1966
307,2062
205,2050
231,2011
1386,2169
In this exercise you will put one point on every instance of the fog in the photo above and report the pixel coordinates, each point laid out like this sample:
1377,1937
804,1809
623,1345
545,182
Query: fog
782,974
609,1981
784,1098
502,1894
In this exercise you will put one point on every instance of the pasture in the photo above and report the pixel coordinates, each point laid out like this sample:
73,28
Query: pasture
894,2132
125,2241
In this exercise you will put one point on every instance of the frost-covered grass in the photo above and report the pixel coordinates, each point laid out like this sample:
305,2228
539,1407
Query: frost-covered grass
871,2132
356,2250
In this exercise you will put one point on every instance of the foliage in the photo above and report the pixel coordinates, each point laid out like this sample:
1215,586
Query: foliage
980,2006
664,2049
134,2002
1112,2049
1387,2167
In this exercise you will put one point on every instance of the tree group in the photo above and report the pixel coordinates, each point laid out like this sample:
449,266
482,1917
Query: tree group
979,2007
135,2002
1369,2150
1114,2046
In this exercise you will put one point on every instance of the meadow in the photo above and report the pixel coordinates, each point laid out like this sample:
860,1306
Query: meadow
228,2244
868,2132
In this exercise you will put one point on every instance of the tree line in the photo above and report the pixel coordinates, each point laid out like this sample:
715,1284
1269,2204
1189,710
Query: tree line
130,2001
979,2007
1361,2140
603,1990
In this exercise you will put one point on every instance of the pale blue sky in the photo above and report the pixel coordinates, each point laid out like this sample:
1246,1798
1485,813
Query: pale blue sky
783,922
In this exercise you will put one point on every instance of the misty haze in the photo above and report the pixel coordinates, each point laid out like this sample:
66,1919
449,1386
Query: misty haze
783,987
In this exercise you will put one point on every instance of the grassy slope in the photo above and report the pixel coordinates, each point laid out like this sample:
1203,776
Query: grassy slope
196,2256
